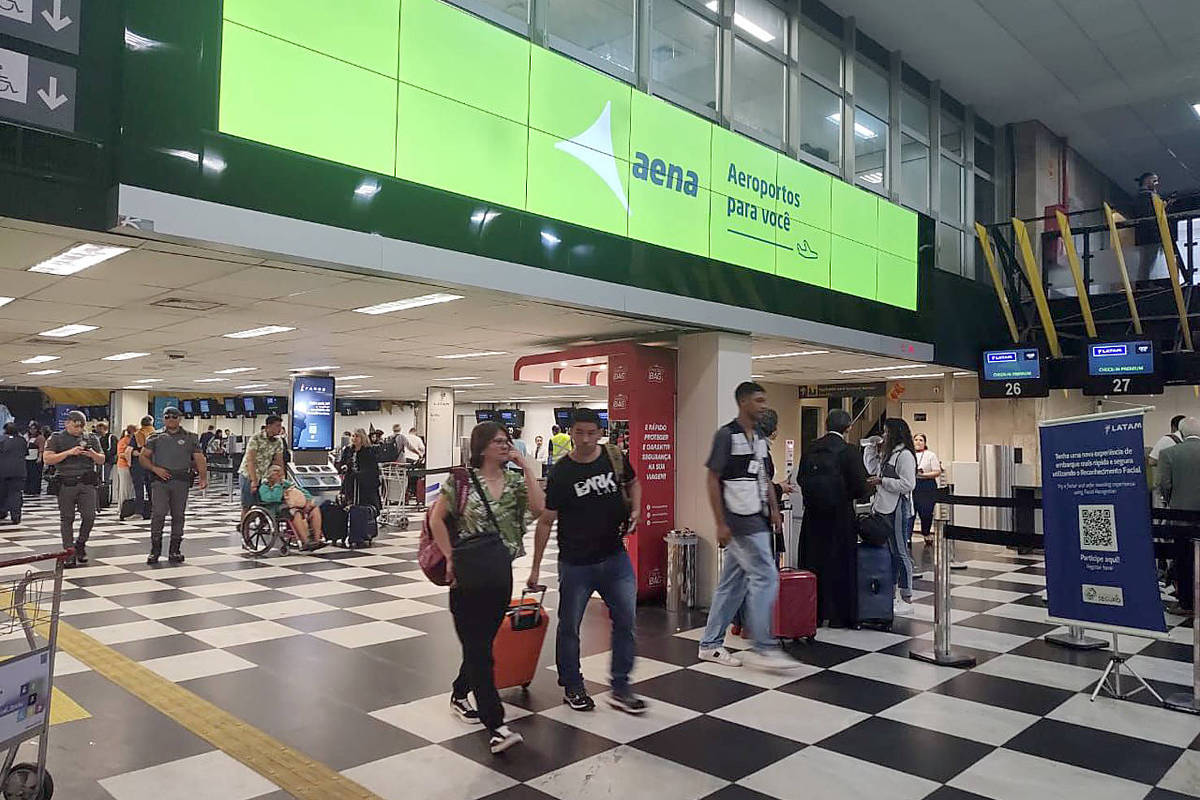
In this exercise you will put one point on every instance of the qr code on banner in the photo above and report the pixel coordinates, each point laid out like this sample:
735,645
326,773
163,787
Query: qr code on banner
1097,528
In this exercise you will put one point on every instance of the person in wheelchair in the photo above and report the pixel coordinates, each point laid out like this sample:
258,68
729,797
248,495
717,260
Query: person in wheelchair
293,502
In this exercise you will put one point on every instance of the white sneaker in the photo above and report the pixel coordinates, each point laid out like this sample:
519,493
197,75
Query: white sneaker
902,608
771,660
720,656
503,738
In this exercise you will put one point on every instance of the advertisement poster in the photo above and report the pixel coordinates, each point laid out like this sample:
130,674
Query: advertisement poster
1100,570
312,413
60,415
161,403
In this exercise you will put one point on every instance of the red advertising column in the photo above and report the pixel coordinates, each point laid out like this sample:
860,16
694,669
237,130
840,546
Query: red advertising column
641,408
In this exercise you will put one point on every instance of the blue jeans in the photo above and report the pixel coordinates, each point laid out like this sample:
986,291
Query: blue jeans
613,578
249,498
902,565
751,576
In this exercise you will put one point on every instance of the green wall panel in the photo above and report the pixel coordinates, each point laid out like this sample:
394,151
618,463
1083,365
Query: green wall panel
853,268
807,258
897,281
563,186
855,214
898,231
570,101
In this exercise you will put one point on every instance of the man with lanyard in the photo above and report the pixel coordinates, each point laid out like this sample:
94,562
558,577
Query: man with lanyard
76,455
264,451
594,496
170,456
746,511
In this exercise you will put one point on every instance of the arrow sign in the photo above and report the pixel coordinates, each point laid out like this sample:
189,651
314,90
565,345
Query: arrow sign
54,17
52,99
51,105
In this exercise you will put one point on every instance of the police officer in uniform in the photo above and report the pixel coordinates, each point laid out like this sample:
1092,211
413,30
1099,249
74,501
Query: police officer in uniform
76,455
170,456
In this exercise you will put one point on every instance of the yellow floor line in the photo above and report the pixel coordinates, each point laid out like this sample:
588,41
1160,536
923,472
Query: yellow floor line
63,709
296,773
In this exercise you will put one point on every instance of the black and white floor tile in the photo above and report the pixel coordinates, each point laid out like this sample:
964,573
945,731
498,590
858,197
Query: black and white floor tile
347,657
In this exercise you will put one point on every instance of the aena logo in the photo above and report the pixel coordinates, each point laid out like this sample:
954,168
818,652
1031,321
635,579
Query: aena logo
660,173
594,148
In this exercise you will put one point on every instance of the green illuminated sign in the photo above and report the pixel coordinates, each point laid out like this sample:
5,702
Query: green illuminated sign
425,92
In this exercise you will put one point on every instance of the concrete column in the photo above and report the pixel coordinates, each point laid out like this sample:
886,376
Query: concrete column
127,407
710,367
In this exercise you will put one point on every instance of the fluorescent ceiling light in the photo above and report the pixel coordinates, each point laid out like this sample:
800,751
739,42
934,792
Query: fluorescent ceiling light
463,378
878,369
348,385
67,330
356,377
474,355
860,130
124,356
78,258
6,300
260,391
462,386
210,380
550,239
756,376
875,177
790,355
963,374
411,302
757,31
366,391
311,369
367,189
920,375
251,385
131,388
266,330
45,372
149,380
40,359
234,370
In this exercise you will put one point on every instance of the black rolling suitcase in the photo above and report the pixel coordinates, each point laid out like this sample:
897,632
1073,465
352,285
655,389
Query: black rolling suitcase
363,525
333,522
876,586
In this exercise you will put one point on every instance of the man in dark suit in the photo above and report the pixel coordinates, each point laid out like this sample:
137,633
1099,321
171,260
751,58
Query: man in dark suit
831,476
1179,484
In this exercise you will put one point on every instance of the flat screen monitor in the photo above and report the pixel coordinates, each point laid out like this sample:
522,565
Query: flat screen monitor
250,405
1126,367
1013,372
562,418
602,413
347,408
188,407
484,415
512,417
369,405
276,404
204,406
312,412
231,407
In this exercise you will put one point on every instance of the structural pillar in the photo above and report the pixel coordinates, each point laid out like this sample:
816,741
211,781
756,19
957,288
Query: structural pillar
127,407
710,367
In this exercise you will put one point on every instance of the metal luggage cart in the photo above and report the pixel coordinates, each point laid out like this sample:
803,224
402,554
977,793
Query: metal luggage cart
28,641
393,490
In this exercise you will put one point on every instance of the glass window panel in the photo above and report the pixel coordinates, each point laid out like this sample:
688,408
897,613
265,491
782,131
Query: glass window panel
952,139
914,173
820,121
952,193
985,156
870,151
517,9
949,249
683,52
760,20
819,56
985,200
602,27
758,91
914,112
871,89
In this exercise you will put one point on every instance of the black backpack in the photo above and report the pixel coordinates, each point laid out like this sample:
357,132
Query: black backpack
820,479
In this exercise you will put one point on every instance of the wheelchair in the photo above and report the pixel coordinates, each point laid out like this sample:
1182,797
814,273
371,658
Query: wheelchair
263,526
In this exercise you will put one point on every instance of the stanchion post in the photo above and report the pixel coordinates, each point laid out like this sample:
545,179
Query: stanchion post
942,653
1190,701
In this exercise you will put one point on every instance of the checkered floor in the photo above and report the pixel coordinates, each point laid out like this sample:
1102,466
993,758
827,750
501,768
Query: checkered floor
347,656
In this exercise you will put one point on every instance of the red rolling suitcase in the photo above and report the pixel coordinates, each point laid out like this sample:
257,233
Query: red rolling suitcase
796,608
518,644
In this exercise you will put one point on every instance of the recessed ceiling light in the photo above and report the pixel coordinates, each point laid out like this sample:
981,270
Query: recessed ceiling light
757,31
756,376
40,359
366,391
251,385
356,377
461,386
260,391
348,385
474,355
67,330
963,374
132,388
879,369
411,302
149,380
234,370
463,378
266,330
6,300
860,130
920,375
311,369
790,355
45,372
210,380
78,258
124,356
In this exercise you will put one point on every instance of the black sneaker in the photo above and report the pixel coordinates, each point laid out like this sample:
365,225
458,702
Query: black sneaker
81,554
627,702
153,558
579,700
461,707
70,563
504,738
176,557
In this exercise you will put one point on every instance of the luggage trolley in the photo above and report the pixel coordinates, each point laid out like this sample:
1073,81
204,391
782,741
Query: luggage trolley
32,602
393,491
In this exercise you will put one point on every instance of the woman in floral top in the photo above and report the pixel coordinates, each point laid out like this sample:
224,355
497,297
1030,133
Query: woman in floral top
479,563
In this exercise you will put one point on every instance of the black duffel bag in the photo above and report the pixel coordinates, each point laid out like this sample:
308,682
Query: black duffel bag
875,529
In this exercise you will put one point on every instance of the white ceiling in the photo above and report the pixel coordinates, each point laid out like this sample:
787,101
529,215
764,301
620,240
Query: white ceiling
398,349
1116,77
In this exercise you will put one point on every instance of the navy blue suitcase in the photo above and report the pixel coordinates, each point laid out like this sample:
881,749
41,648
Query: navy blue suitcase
876,586
363,526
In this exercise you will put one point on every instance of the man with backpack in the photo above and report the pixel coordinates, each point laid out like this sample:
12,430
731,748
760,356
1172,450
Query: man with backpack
831,476
594,496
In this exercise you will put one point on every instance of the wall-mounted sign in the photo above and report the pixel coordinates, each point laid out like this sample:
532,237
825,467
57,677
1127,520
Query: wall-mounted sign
53,23
872,389
434,95
36,91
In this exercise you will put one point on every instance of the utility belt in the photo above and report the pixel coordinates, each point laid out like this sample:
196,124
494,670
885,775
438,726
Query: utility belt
86,479
184,475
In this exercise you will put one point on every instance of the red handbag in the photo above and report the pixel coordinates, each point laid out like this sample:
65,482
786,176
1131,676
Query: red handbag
429,556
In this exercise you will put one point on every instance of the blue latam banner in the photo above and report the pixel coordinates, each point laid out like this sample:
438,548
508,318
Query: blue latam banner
1100,568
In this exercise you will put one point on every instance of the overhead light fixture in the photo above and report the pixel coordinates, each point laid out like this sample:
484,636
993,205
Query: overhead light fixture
878,369
210,380
963,374
133,388
860,130
366,391
78,258
266,330
45,372
480,354
463,378
462,386
149,380
6,300
313,369
411,302
260,391
252,385
64,331
356,377
234,370
550,239
919,375
756,376
367,189
757,31
873,177
124,356
348,385
790,355
40,359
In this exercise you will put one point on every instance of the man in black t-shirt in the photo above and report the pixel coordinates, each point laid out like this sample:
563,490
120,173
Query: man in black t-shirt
595,502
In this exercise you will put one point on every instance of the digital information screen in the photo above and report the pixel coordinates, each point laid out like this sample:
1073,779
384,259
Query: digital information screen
1122,368
312,413
250,405
428,93
1016,372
